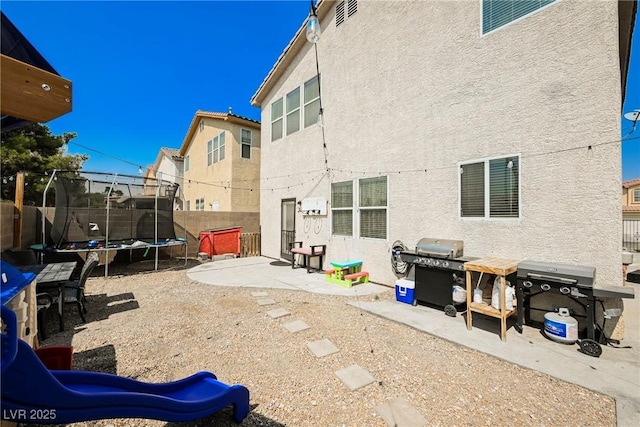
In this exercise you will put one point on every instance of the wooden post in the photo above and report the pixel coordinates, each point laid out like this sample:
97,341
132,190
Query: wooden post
17,211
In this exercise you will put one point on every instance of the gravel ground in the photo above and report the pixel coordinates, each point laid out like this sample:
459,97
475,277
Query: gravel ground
161,326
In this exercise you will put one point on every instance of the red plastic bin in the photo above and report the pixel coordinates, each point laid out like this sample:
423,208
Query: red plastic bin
220,241
57,357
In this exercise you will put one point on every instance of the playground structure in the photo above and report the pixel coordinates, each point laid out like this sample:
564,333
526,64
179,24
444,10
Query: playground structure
31,393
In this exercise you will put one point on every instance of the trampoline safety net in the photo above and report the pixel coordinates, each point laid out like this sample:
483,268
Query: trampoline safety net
106,209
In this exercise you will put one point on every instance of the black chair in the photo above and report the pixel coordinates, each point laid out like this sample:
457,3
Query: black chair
73,290
44,301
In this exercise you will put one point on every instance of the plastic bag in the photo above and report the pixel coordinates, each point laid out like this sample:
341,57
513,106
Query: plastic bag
459,294
495,295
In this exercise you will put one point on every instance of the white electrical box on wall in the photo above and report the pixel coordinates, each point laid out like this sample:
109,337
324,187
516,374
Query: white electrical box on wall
314,206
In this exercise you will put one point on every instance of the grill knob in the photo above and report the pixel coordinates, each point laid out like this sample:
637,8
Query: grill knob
436,262
445,264
527,283
545,286
565,290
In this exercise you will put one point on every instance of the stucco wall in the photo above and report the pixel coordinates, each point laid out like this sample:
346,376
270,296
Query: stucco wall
231,184
410,89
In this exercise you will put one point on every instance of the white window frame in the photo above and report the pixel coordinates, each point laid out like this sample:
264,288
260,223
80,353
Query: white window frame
277,118
311,101
288,113
357,209
513,21
216,149
244,143
200,204
636,195
343,209
186,164
487,189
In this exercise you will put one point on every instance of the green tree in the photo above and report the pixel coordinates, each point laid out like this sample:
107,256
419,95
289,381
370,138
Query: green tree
34,150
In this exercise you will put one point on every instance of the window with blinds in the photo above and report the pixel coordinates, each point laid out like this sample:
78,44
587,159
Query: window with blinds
636,196
215,149
373,207
497,13
342,208
276,120
490,188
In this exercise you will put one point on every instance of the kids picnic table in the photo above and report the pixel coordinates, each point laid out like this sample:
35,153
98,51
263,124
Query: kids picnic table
345,272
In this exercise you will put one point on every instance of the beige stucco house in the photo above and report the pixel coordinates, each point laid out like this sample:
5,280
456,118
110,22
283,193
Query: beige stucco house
221,163
168,167
449,119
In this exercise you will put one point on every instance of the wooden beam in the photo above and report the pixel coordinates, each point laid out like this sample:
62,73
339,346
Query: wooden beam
30,93
17,212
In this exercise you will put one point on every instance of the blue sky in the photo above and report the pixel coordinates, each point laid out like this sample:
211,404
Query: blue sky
140,70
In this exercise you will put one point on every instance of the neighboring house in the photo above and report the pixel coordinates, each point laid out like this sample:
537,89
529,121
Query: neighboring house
450,119
169,167
631,214
221,155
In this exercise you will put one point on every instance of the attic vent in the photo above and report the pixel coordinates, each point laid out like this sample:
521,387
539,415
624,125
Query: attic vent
353,7
340,13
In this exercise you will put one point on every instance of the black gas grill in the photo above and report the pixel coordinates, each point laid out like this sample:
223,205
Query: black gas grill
573,281
439,266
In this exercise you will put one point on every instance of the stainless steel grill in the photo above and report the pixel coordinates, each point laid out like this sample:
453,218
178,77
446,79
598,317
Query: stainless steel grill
439,266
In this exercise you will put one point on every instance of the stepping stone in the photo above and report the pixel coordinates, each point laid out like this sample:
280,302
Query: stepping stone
266,301
278,312
398,412
259,294
322,347
296,326
355,377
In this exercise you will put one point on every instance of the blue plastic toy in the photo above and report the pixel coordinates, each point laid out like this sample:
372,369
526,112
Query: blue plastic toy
31,393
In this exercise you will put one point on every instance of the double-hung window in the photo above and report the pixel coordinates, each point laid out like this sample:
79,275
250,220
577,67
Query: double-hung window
490,188
311,101
636,195
369,201
277,120
215,149
497,13
342,208
373,207
245,140
200,204
293,111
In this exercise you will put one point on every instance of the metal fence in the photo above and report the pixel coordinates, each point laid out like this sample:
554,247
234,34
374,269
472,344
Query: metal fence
249,244
631,234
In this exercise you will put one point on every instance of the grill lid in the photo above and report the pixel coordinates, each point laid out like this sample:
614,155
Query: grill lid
439,247
580,274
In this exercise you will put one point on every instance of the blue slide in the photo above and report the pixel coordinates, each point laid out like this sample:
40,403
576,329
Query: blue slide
31,393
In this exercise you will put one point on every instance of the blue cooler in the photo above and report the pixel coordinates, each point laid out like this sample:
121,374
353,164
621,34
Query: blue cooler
405,291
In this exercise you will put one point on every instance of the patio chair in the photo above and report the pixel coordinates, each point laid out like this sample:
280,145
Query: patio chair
73,290
44,301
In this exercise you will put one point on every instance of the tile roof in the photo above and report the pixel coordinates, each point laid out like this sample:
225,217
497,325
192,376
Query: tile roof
635,208
170,152
230,117
631,183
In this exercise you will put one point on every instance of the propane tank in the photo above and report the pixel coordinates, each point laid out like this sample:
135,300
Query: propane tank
561,326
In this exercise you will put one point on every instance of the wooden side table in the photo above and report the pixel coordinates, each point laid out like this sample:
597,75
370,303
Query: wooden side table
501,268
